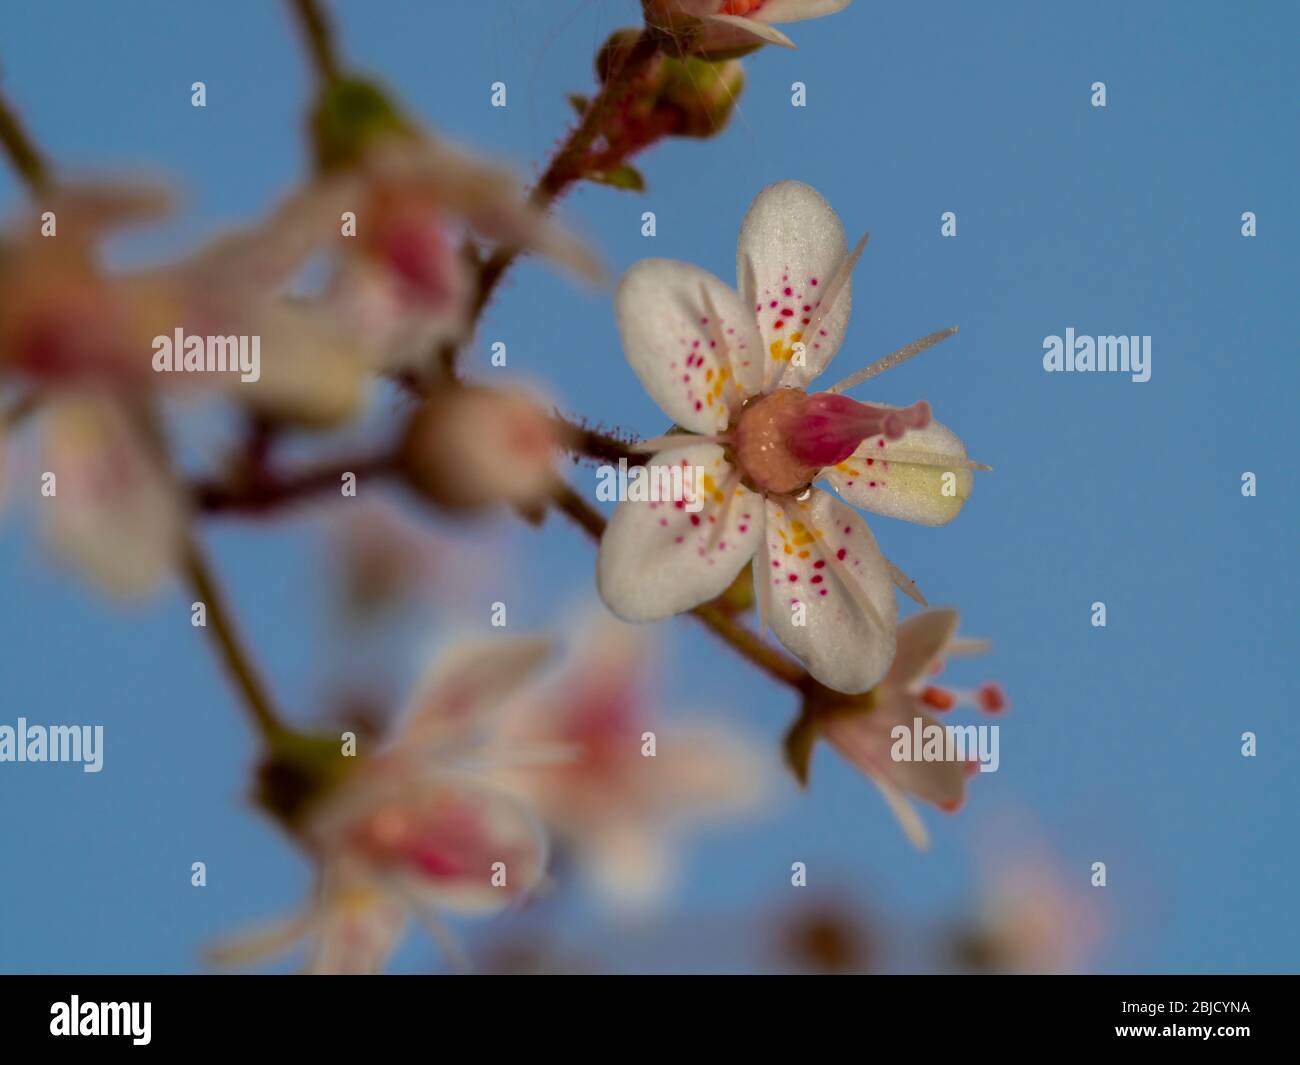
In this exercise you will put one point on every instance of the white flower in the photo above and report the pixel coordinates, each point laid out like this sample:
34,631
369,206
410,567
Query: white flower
733,369
85,338
401,280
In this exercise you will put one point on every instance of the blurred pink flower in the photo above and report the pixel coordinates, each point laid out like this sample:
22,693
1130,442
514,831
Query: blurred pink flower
85,339
418,829
617,806
402,280
1030,920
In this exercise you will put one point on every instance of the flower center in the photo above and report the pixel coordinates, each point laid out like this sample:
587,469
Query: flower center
783,440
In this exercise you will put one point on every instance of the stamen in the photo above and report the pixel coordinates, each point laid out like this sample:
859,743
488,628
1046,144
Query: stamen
992,699
964,646
888,362
932,458
938,698
833,287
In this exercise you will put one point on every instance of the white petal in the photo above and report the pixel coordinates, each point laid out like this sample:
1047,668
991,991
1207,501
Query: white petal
866,739
690,340
705,772
485,194
744,30
908,819
464,832
115,511
456,700
925,477
259,259
372,301
921,640
657,559
791,245
798,10
630,863
312,371
265,941
358,924
820,556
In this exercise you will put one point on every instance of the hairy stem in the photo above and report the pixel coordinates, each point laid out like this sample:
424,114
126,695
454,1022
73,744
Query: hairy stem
567,165
593,444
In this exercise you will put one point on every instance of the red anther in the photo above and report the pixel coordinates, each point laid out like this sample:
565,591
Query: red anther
953,806
992,699
938,698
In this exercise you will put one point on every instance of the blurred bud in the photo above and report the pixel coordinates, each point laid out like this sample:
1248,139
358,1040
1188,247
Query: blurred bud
470,448
615,52
298,772
828,938
349,116
702,92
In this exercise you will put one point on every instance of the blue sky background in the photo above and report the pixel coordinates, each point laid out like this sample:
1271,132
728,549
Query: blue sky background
1123,743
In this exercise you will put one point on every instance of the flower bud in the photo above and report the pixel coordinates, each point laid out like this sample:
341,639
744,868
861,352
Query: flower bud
703,93
349,116
470,448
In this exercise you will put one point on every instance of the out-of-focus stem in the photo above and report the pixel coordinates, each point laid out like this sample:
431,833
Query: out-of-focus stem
19,410
318,36
743,640
22,152
270,490
201,580
31,165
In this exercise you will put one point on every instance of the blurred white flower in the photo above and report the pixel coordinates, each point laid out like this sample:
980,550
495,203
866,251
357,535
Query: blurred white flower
635,785
418,829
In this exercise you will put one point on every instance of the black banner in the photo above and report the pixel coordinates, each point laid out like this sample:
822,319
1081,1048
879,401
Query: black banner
211,1013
